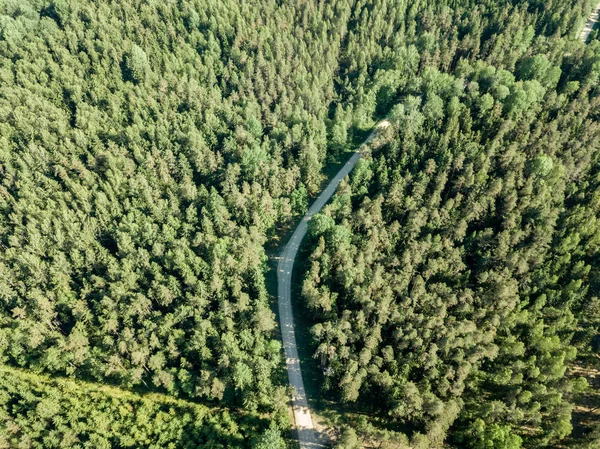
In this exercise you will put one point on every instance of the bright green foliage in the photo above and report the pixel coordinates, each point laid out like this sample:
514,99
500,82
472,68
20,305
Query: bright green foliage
270,439
493,437
146,150
38,412
136,64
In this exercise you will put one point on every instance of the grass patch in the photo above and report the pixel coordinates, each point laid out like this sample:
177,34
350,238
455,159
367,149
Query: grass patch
42,411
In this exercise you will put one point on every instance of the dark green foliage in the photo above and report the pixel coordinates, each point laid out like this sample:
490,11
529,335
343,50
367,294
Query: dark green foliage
444,296
147,150
142,163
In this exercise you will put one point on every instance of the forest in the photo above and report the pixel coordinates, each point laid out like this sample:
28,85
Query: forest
455,277
150,151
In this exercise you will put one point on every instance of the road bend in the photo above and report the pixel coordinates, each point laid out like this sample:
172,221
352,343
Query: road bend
304,424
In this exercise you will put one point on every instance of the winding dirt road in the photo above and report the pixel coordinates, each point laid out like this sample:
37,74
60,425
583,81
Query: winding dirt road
304,425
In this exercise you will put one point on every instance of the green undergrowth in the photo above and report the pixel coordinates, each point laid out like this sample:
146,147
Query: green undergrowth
38,411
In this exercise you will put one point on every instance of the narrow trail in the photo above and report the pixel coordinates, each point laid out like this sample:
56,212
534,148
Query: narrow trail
304,424
589,26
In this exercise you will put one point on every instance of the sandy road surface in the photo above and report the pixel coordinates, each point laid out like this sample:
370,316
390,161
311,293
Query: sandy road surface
304,425
589,26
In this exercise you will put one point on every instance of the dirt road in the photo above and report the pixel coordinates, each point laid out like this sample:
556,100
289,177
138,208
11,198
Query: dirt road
304,425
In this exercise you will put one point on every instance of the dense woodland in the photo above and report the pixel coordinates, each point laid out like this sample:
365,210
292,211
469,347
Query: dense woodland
147,151
456,276
150,150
